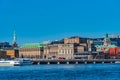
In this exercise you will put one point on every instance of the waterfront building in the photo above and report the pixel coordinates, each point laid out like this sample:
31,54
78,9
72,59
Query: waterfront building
66,48
57,51
3,54
86,51
12,53
31,50
62,51
66,51
51,51
107,48
81,49
83,55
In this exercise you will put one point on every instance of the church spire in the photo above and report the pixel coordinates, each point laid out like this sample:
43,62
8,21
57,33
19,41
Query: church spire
14,45
106,40
14,36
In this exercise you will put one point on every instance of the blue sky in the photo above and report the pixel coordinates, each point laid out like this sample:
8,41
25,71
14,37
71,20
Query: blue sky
39,20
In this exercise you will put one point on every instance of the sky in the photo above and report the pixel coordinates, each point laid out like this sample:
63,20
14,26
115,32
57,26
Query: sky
42,20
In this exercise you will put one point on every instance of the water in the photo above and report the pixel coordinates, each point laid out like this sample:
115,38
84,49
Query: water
62,72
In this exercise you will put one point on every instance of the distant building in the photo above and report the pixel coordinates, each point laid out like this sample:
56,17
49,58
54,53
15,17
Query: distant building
31,50
75,40
57,42
72,40
114,36
115,39
5,45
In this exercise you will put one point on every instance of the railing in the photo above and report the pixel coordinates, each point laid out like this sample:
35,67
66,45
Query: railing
76,60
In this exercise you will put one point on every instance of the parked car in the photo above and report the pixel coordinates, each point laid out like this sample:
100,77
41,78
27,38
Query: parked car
61,58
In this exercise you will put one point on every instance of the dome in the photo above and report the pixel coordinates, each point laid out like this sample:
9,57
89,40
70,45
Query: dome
106,38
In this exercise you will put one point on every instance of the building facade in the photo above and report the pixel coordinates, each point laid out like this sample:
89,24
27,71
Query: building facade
13,53
66,51
51,51
72,40
3,54
32,50
75,40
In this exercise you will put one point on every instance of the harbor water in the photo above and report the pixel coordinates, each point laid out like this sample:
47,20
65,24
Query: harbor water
61,72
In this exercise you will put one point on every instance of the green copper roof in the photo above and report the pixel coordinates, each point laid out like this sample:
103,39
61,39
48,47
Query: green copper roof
33,45
106,38
106,47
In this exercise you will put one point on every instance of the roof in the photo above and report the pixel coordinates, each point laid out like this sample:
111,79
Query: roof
106,47
33,45
106,38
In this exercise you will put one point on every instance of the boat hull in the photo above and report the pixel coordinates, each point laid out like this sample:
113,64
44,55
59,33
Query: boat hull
10,64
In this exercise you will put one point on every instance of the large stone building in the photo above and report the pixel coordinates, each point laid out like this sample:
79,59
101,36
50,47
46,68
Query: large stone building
56,51
66,51
32,50
51,51
66,48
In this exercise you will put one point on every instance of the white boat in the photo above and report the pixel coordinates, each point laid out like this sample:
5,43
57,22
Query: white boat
25,61
117,61
10,63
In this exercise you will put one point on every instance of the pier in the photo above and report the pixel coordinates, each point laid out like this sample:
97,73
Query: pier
75,61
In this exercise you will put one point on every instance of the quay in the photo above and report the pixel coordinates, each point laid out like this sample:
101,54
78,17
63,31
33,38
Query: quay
75,61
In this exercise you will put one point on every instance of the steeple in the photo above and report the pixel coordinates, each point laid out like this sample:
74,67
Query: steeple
106,40
14,37
14,45
106,37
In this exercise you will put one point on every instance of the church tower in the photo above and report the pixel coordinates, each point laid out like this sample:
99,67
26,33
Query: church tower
107,40
14,44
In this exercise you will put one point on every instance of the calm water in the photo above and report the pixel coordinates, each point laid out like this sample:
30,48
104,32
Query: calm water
62,72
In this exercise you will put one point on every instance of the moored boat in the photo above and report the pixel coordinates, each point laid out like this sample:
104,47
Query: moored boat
25,61
117,61
10,63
